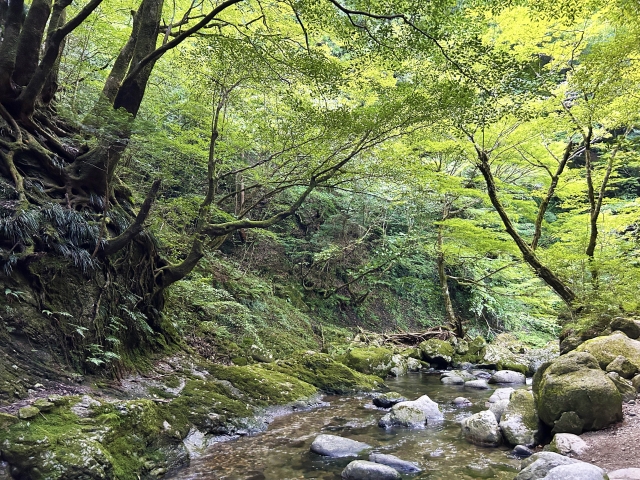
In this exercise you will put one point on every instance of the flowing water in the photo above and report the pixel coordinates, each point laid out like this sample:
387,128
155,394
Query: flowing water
282,452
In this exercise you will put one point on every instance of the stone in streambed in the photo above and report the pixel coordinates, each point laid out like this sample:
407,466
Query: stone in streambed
388,400
334,446
501,394
538,465
394,462
482,429
452,380
567,444
508,376
461,402
498,408
521,451
477,384
579,471
569,422
364,470
625,474
413,413
519,422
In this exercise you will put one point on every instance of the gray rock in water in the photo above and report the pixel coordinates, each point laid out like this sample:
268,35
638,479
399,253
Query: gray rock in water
519,422
363,470
508,376
403,416
461,402
625,474
413,365
538,465
482,429
625,387
428,407
477,384
521,451
414,413
388,400
579,471
334,446
567,444
501,394
483,374
498,408
394,462
452,380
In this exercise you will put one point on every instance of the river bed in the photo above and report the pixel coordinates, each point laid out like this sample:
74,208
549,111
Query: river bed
282,451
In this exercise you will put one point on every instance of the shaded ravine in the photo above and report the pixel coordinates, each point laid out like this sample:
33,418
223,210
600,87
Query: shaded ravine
282,452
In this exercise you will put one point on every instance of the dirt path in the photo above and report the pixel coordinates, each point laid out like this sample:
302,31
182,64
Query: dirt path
617,446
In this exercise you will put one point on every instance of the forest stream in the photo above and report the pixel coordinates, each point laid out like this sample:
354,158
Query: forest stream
282,452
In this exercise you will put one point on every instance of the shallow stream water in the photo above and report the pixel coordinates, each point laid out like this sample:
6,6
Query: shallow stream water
282,451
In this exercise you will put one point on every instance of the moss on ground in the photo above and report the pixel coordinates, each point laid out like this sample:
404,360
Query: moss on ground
325,373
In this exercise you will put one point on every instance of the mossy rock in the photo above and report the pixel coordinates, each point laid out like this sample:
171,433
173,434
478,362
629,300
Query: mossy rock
323,372
263,387
622,367
7,420
519,422
628,326
516,367
437,352
371,360
606,348
575,383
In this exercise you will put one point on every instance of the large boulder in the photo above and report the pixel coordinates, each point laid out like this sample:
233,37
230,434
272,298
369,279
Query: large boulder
335,446
437,352
364,470
605,349
498,408
567,444
625,474
508,376
519,421
482,429
470,352
370,360
575,383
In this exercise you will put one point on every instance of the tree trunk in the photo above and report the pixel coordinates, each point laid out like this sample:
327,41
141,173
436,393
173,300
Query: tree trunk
51,84
452,318
529,256
542,209
30,41
131,92
9,47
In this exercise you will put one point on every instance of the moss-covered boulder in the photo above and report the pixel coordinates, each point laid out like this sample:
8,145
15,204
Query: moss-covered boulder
575,383
606,348
323,372
622,367
629,326
519,421
624,386
7,420
371,360
437,352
